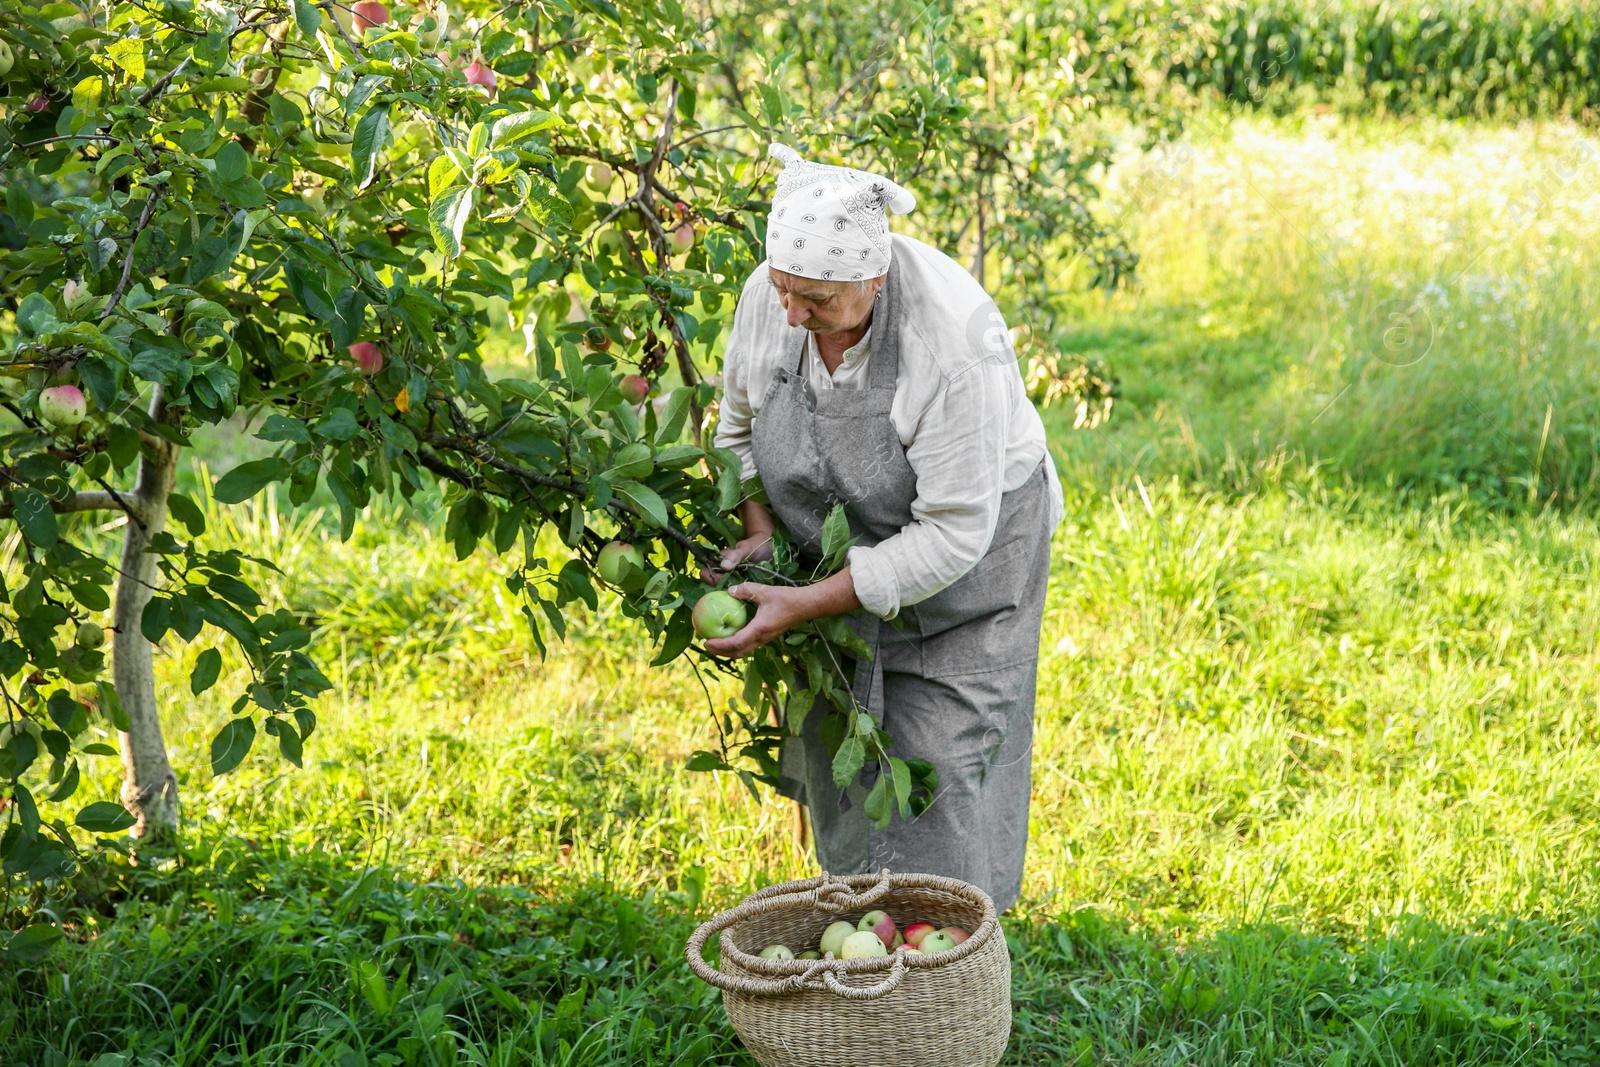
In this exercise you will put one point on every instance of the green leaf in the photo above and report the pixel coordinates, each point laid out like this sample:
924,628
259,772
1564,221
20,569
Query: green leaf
32,943
339,425
901,776
442,174
848,761
187,512
876,807
307,17
67,786
631,461
835,537
371,135
248,479
707,761
128,54
796,708
447,219
645,501
676,457
512,128
232,744
232,163
206,668
35,517
104,817
673,416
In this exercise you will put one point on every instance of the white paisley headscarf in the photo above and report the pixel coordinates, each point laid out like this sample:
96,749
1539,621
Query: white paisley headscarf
828,222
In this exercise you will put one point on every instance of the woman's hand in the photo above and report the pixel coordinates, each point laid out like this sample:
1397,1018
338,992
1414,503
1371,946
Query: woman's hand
755,547
780,607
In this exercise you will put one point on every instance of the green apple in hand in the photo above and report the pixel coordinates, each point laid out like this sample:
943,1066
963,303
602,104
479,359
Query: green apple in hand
719,614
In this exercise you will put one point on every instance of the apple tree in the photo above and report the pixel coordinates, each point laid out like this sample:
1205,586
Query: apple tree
305,219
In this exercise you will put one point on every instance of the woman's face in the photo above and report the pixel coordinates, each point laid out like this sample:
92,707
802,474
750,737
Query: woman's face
824,307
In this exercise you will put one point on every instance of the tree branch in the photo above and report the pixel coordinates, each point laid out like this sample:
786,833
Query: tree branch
127,261
84,500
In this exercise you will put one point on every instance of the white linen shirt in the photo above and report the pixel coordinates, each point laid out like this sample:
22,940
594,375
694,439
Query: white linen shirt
969,431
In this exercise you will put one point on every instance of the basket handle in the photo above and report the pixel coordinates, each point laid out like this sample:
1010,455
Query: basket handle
842,898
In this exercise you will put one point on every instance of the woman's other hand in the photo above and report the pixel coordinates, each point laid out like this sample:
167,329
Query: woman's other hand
755,547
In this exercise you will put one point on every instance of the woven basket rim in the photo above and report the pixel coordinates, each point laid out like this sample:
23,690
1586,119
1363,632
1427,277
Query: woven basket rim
859,890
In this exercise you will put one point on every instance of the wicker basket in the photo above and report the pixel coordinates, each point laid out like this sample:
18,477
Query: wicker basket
948,1009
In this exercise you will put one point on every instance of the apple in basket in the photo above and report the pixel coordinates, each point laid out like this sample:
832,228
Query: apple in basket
809,956
956,932
916,932
938,941
861,945
777,952
833,937
878,922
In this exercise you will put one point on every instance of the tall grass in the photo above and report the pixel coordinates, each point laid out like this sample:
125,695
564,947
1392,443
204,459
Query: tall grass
1411,304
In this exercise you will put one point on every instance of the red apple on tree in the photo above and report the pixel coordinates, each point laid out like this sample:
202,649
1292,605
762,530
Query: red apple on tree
37,102
62,406
367,14
719,614
916,932
368,357
634,388
682,239
480,75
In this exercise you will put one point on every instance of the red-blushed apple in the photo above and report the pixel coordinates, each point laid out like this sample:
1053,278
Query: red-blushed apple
597,339
368,357
916,932
719,614
879,923
958,934
368,13
809,956
89,636
833,937
634,388
862,944
777,952
62,406
37,102
682,239
938,941
480,75
619,562
598,176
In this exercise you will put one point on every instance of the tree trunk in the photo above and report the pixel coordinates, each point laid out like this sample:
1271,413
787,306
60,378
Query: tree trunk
149,788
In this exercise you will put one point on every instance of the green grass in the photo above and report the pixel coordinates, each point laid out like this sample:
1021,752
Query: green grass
1317,750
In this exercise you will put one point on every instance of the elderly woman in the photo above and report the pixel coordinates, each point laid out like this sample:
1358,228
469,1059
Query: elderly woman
868,369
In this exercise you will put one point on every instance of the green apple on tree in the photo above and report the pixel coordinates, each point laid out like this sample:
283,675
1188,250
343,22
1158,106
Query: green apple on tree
620,563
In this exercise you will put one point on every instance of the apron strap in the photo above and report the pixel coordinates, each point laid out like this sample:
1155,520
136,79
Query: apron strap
883,357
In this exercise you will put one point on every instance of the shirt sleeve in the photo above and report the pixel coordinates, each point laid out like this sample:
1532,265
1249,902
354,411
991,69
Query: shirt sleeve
734,415
958,454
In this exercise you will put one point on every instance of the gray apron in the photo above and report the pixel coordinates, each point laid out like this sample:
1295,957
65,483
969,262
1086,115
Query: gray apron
952,679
